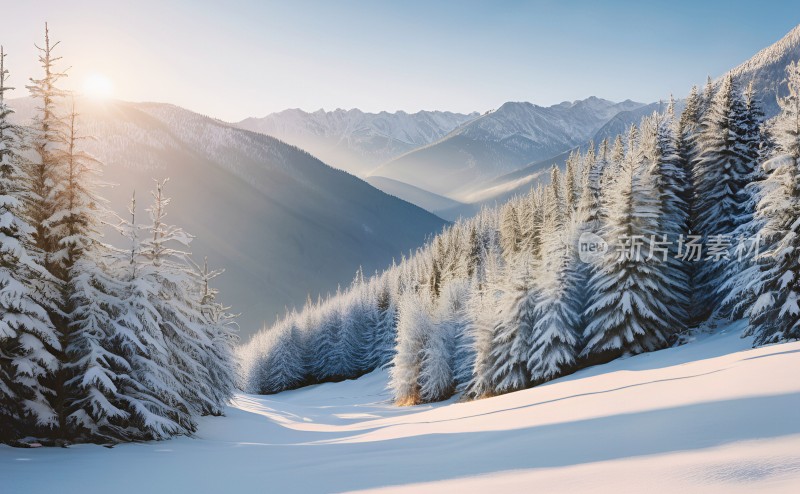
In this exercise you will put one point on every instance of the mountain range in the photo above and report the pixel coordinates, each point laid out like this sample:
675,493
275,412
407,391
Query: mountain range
500,142
280,222
353,140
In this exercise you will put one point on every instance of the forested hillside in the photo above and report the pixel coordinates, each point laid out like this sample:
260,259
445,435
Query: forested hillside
684,220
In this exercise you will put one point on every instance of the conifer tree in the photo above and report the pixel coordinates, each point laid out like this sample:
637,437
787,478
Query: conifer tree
45,171
721,175
152,395
775,316
413,327
510,232
26,332
557,305
625,314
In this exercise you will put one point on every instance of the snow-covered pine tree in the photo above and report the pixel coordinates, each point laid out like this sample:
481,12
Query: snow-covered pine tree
571,188
152,395
736,292
775,316
591,195
97,370
452,317
177,304
283,368
615,157
88,398
386,325
45,171
687,147
481,322
26,332
512,329
437,366
721,175
414,326
221,327
510,231
532,224
556,192
555,309
326,342
355,329
660,158
625,313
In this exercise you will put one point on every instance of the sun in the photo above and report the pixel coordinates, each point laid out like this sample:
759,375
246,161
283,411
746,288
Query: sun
98,86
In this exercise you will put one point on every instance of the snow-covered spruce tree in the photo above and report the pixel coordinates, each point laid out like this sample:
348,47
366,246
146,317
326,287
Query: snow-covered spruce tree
45,171
385,331
687,147
736,291
98,372
662,164
721,175
532,223
510,231
555,310
87,398
414,326
176,302
356,328
283,368
571,186
437,368
482,317
775,316
26,332
452,317
591,194
326,342
157,407
512,330
556,191
611,170
626,314
221,327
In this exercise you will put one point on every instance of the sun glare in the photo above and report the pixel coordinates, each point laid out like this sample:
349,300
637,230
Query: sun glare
98,86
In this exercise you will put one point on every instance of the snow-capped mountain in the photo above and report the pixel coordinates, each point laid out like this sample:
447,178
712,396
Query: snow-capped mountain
767,69
282,223
501,141
353,140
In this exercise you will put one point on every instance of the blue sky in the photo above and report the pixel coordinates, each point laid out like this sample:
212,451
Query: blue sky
236,59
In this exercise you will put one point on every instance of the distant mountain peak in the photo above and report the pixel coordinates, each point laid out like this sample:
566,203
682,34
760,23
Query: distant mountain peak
354,140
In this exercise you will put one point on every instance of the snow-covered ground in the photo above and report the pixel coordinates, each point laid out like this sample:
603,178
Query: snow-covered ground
711,416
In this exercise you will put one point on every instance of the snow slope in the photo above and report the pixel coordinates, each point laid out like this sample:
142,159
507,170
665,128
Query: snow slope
711,416
353,140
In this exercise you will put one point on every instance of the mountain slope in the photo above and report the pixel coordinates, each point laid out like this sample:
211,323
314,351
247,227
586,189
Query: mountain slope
353,140
282,223
500,142
767,69
711,416
436,204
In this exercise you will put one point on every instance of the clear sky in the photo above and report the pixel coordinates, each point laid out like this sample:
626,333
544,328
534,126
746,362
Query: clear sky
235,59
